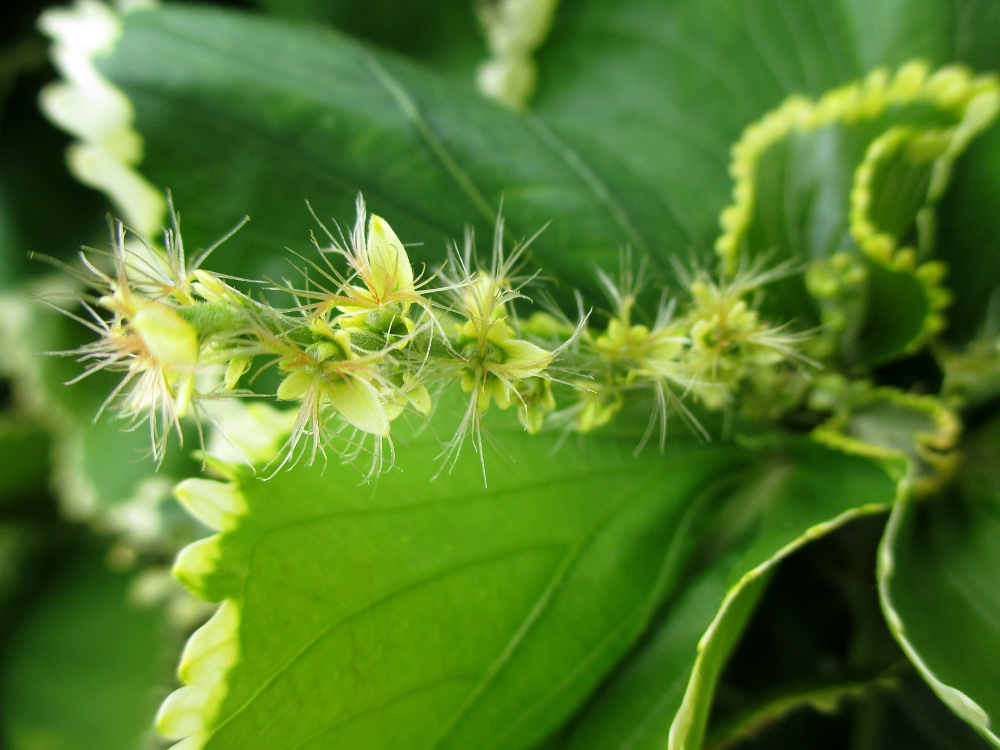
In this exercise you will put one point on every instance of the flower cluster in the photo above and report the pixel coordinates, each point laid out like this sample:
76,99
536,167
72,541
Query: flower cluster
367,340
149,329
716,351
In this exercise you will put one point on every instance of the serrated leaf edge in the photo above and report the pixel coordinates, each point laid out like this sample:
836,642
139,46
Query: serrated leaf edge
189,713
218,505
882,247
935,448
974,101
109,149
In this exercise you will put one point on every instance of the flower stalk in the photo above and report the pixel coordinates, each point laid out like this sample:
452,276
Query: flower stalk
367,341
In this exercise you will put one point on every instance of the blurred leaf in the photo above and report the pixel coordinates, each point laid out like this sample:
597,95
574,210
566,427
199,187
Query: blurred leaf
677,85
324,118
24,456
679,81
896,308
938,569
970,240
82,667
19,542
11,242
443,34
42,208
654,63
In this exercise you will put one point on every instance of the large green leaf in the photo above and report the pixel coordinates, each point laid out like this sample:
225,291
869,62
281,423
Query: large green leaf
242,115
444,608
680,81
433,613
662,694
938,569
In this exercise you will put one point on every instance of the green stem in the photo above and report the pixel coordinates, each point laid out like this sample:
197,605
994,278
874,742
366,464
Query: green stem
212,318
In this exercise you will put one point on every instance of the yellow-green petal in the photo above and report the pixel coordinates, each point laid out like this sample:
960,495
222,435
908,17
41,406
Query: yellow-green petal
388,264
295,385
359,403
525,356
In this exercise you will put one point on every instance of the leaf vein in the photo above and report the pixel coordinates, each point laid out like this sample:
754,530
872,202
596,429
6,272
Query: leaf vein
329,628
536,612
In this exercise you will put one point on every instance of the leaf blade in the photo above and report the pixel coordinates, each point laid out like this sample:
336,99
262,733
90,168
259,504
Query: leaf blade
328,118
467,593
937,572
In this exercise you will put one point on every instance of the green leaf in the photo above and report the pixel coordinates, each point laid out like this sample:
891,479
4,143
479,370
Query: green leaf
665,687
431,613
969,244
938,568
640,702
886,422
849,183
312,116
19,544
82,666
897,307
678,83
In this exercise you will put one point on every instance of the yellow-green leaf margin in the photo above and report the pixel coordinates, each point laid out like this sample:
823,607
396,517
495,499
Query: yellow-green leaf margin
189,712
973,102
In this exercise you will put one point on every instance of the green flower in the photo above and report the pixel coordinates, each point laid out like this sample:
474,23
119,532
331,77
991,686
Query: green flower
381,301
492,362
330,374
